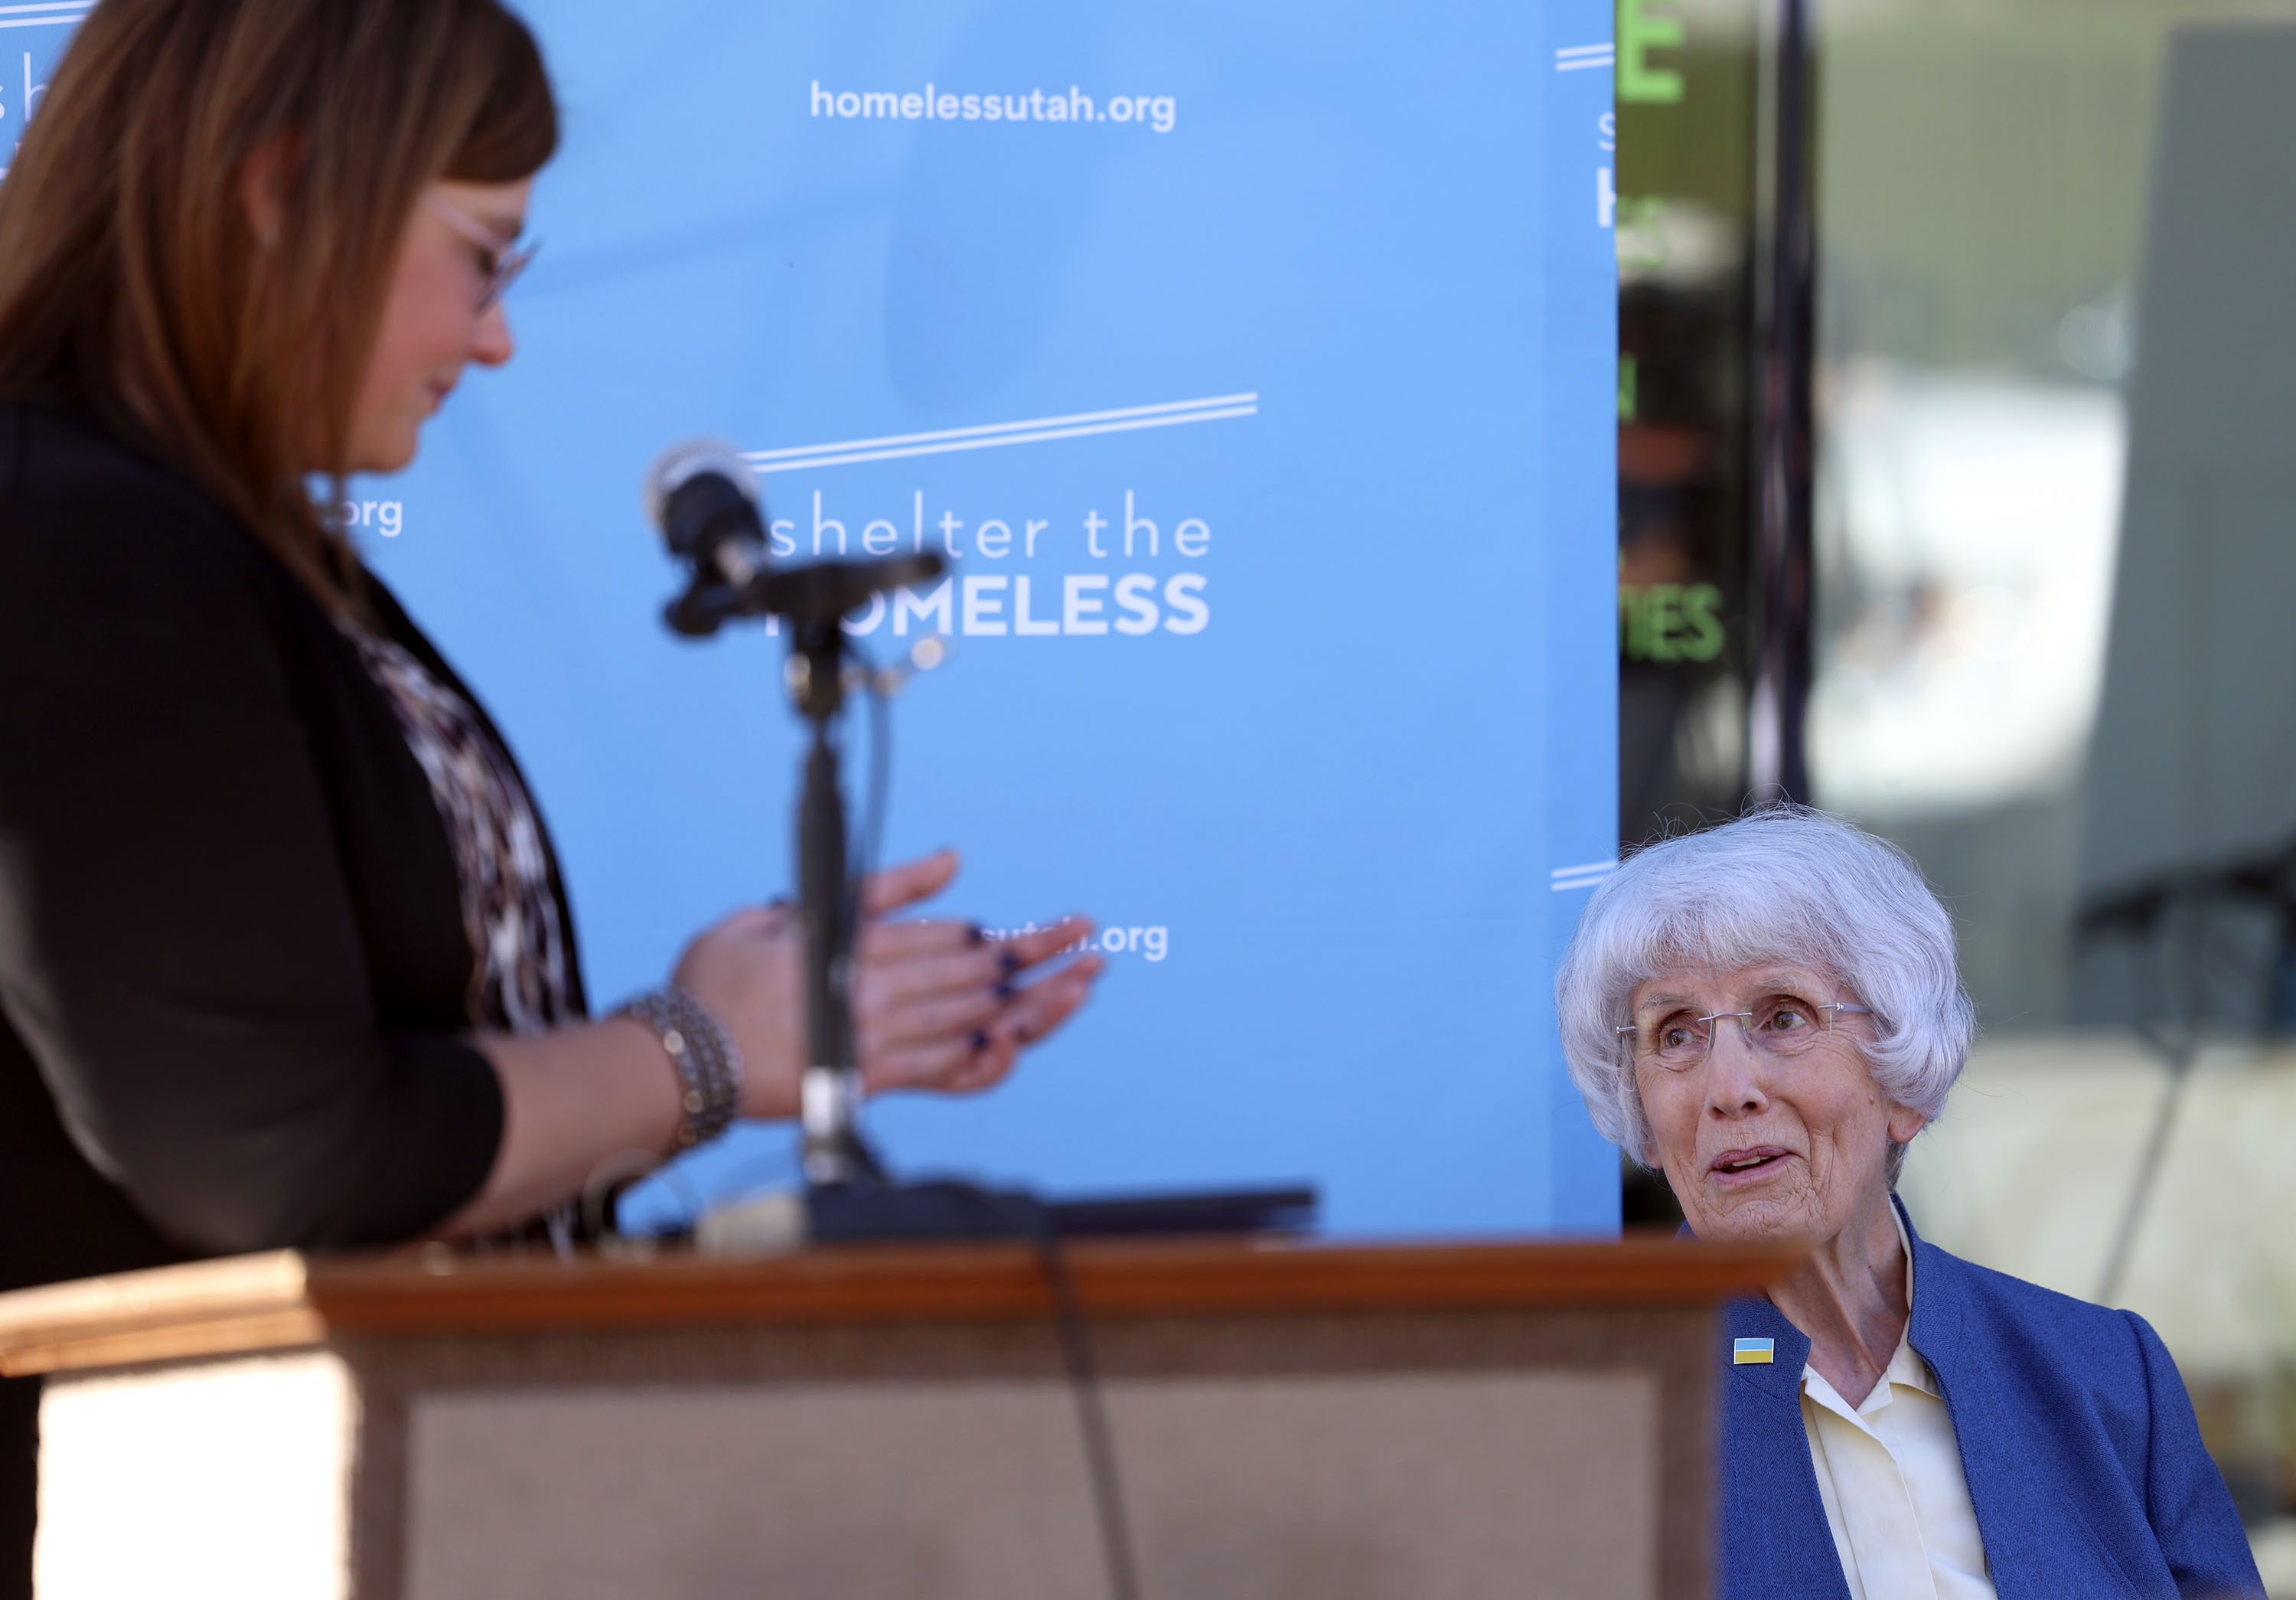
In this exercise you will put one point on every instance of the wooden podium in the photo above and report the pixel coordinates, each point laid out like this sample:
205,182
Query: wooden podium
1291,1420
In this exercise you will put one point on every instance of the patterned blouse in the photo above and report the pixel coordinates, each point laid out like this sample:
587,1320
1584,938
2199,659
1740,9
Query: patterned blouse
519,973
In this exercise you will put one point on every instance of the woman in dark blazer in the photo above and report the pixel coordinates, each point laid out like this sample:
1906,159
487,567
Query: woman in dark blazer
1769,1012
285,957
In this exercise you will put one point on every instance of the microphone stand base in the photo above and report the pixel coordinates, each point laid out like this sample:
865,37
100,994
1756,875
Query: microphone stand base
884,1212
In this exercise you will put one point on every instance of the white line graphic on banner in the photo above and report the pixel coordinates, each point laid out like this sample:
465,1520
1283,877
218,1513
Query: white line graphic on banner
1033,430
1572,58
1584,876
49,14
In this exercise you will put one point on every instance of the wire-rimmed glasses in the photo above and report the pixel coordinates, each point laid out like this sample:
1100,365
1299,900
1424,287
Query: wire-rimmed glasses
1779,1025
504,259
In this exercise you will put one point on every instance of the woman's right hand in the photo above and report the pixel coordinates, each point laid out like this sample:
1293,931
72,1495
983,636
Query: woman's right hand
935,1006
938,1006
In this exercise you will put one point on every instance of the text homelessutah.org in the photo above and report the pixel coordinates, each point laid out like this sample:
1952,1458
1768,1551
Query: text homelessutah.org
931,104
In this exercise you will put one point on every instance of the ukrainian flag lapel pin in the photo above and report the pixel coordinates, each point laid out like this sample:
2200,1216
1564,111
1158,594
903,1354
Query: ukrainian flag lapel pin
1753,1353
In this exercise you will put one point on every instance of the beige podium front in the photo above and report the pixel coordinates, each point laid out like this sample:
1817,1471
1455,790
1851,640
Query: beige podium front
1312,1421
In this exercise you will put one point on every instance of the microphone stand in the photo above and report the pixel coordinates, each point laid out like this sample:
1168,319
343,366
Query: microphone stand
833,1150
849,1194
814,600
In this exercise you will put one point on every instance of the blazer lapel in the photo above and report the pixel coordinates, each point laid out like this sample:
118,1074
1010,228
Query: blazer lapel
2038,1539
1775,1543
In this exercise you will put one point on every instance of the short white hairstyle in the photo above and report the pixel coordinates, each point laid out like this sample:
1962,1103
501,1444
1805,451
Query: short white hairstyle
1786,883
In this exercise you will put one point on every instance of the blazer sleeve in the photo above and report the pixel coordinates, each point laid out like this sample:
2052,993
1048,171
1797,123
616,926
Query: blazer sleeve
178,946
2191,1510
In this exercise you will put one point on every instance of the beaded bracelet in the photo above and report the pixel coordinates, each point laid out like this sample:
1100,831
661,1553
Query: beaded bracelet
707,1061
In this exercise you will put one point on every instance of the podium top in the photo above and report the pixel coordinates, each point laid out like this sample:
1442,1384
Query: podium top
286,1300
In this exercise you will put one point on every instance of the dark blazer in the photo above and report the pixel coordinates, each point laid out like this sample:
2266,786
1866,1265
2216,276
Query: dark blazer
233,972
2084,1460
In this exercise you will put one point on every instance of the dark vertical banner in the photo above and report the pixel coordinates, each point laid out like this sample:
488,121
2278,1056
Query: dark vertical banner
1255,368
1690,243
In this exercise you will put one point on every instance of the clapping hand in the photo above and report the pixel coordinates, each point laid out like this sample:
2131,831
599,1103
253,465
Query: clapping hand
936,1003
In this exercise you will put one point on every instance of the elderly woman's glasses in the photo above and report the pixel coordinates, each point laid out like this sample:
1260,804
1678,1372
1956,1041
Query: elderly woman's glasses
1776,1025
500,260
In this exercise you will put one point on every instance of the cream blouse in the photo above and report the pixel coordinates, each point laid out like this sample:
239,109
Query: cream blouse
1889,1470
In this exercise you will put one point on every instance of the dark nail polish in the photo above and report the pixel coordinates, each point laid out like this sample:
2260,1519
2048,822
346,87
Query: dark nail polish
979,1040
1004,991
974,934
1008,961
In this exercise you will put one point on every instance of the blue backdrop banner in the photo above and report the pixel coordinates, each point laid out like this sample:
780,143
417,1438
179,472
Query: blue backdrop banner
1255,367
32,37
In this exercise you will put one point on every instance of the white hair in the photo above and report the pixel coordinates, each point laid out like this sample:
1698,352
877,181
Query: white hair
1786,883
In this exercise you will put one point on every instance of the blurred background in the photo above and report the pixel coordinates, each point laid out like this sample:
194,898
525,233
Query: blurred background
2018,593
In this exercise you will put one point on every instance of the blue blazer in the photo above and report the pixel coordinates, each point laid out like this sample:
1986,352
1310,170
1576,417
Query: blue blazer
2082,1457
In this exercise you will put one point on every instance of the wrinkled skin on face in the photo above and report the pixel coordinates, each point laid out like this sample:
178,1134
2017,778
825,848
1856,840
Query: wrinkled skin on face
1787,1149
1759,1146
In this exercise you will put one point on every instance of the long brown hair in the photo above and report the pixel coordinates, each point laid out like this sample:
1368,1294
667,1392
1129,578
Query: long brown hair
132,283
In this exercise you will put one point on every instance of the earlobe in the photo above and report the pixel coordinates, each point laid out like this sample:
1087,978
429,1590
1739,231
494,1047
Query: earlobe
263,179
1904,1123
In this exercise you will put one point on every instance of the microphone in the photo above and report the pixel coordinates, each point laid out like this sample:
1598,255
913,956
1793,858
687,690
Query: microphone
702,496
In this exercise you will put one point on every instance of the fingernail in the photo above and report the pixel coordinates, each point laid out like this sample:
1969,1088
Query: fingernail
1008,961
974,933
1005,989
979,1040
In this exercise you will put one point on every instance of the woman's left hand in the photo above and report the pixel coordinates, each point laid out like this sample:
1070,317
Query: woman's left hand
938,1005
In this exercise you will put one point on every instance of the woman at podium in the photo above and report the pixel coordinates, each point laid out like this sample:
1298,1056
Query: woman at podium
285,955
1770,1013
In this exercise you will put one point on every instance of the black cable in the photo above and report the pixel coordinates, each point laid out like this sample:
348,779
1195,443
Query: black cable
2177,1056
2167,921
2148,1174
1032,1219
1092,1413
868,843
881,774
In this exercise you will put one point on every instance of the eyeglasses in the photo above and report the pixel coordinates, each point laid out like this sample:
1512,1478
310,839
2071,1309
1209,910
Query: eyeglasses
503,260
1783,1025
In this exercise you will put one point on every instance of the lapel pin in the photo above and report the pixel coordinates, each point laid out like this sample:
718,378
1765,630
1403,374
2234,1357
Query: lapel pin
1753,1353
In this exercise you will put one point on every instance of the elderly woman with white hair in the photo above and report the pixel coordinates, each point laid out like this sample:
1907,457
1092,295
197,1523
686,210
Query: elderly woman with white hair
1769,1012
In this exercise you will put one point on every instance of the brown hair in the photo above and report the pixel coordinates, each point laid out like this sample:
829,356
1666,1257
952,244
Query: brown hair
132,283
